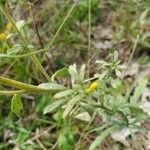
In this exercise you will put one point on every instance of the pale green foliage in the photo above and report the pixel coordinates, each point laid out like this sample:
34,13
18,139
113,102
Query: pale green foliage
117,110
60,73
139,90
101,137
53,106
115,102
52,86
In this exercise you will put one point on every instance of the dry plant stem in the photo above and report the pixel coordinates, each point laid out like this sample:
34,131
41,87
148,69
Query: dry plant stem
34,58
133,50
10,66
40,134
40,144
35,25
38,35
20,85
132,53
89,36
84,133
54,146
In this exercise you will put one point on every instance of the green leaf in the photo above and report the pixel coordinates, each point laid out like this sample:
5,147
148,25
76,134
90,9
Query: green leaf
16,105
118,72
66,140
87,107
139,90
82,72
135,109
84,116
52,86
15,49
70,105
20,24
99,139
73,72
63,94
61,73
4,55
22,135
143,60
53,106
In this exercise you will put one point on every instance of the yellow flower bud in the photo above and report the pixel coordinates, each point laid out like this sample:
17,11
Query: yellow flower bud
8,27
3,36
92,87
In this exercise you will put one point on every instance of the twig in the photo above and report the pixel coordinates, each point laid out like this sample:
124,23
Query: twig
38,35
40,144
35,25
54,146
89,36
132,54
133,50
10,66
41,133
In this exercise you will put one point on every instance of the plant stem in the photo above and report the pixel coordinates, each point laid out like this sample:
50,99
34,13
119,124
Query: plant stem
59,29
61,26
2,55
20,85
132,53
38,35
35,25
89,36
133,50
34,58
9,93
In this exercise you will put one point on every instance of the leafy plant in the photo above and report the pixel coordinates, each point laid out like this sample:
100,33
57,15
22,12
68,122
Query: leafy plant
102,97
84,99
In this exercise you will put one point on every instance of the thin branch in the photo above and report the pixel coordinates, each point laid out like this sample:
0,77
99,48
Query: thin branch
61,26
132,54
35,25
133,50
38,34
